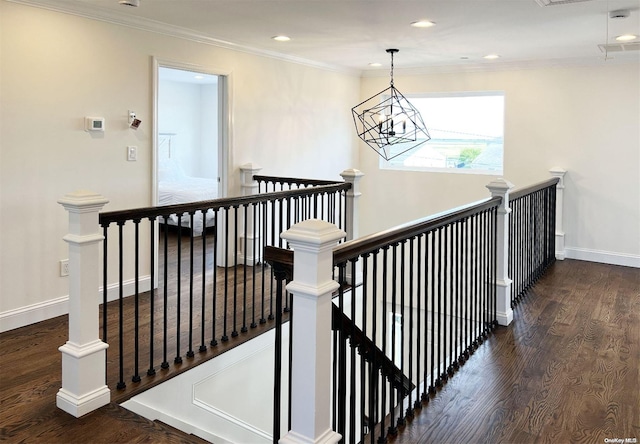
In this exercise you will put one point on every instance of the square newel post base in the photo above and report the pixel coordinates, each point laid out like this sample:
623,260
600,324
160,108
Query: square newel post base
83,376
504,312
328,437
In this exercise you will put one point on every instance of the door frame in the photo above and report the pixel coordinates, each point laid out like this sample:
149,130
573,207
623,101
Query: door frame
224,116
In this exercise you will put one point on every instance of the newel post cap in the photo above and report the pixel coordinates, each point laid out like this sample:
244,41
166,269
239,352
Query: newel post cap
351,173
250,167
313,232
82,201
499,186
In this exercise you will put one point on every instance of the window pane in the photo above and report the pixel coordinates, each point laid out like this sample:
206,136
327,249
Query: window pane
467,134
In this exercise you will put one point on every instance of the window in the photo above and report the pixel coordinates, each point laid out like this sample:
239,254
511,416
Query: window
467,134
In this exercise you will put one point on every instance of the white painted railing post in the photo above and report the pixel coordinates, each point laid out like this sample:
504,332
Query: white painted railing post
250,255
501,187
353,176
559,173
83,356
312,242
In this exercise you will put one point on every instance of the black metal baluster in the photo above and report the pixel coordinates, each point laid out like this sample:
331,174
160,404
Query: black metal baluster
383,399
373,379
214,302
152,294
443,315
434,278
410,406
225,302
476,285
401,419
352,373
203,295
280,275
165,361
393,429
465,292
121,384
244,328
263,219
234,333
254,266
451,313
342,356
419,319
136,321
364,428
190,353
178,358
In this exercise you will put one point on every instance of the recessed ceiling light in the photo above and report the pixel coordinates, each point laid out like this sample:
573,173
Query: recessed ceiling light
134,3
491,56
626,37
281,38
423,24
375,64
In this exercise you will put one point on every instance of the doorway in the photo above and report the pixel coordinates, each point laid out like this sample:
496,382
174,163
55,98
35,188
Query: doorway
190,135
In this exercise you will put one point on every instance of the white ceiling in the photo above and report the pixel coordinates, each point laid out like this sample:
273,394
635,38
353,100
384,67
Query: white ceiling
350,34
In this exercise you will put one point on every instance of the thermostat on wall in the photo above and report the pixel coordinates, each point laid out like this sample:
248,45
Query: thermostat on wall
94,124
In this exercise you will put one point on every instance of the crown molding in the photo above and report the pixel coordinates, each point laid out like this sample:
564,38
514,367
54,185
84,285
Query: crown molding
504,66
148,25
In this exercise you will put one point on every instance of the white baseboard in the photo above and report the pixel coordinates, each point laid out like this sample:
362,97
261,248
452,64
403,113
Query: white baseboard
52,308
33,313
604,257
128,288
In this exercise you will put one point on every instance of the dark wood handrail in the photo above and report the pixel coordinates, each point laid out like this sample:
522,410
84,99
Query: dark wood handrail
296,180
107,218
533,188
367,244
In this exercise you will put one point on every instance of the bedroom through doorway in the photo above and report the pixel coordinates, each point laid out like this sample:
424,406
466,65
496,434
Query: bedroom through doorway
189,140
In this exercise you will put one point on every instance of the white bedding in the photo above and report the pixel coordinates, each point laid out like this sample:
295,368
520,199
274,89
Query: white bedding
175,187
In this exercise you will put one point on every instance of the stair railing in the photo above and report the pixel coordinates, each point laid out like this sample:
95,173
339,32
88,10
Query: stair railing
190,292
431,292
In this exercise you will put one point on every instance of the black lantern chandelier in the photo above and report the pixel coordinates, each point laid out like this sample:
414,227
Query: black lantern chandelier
388,123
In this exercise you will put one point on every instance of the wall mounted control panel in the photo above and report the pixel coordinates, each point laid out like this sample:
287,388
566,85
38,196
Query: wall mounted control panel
94,123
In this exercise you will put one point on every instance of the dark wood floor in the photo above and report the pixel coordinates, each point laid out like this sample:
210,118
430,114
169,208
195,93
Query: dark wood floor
566,370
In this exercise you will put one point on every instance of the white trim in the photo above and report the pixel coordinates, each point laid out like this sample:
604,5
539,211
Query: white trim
31,314
604,257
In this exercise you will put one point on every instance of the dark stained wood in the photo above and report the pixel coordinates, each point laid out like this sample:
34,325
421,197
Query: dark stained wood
565,371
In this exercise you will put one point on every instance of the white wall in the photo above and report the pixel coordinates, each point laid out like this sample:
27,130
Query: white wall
55,69
585,119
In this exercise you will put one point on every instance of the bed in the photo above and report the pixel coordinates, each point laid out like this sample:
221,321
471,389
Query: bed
175,187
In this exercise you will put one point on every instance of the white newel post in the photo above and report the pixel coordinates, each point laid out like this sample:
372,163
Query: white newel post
250,187
501,187
83,356
559,173
353,176
313,242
